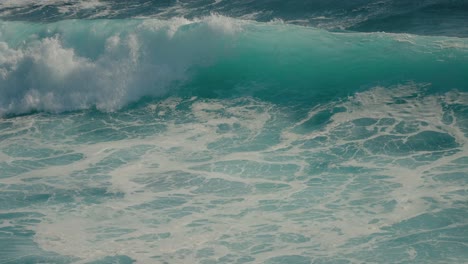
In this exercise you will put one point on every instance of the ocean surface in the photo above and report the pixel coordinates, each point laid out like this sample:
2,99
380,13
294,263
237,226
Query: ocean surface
233,131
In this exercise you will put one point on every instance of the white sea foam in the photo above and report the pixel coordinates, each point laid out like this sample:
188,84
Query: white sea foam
47,74
243,177
65,7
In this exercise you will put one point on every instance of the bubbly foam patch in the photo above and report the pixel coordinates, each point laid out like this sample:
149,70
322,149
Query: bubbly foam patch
243,180
47,71
68,8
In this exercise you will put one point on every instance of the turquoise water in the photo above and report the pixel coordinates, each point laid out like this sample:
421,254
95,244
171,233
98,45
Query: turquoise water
233,132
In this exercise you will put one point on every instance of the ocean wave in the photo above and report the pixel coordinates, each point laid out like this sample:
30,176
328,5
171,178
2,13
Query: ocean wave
107,64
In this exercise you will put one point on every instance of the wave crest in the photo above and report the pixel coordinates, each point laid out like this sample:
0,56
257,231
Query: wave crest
107,64
112,64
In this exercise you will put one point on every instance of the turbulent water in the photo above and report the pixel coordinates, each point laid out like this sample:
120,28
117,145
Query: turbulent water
206,131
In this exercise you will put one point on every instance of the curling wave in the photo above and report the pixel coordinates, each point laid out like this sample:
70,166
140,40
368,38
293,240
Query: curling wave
107,64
